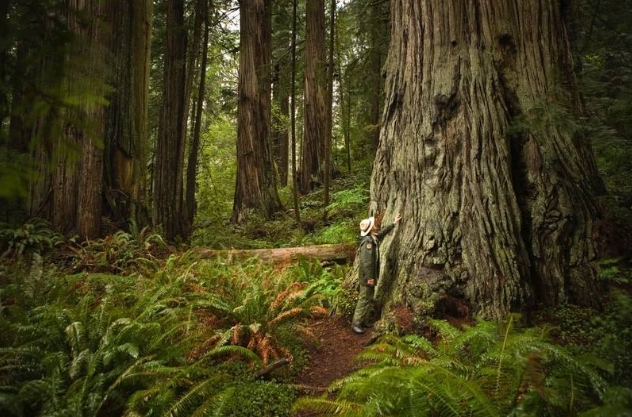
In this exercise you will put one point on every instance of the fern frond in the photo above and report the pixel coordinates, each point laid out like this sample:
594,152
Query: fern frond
328,407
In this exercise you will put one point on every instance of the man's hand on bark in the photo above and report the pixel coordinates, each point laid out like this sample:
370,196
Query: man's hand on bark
397,219
370,282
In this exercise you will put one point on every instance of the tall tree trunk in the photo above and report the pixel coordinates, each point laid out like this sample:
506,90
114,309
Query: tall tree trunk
330,102
313,150
256,184
297,212
280,131
195,142
126,116
170,144
4,99
495,191
377,34
284,139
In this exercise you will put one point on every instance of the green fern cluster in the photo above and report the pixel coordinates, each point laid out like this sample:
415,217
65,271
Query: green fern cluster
34,236
485,370
253,305
184,341
120,253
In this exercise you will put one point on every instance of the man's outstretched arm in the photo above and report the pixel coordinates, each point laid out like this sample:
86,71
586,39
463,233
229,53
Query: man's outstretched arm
386,230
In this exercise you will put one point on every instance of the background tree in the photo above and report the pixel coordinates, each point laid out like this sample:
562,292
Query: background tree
168,170
480,156
125,134
281,61
313,149
195,140
256,184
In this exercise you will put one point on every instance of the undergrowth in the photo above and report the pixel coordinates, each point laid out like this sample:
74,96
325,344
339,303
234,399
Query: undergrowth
484,370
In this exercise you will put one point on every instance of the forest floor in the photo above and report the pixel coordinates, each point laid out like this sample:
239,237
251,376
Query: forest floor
333,357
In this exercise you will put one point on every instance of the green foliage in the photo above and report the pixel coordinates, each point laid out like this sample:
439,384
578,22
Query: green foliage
255,305
611,271
120,252
329,283
34,236
182,340
605,334
485,370
265,399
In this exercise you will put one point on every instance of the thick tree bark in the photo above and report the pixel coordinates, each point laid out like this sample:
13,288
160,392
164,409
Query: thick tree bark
168,170
256,184
126,116
313,150
195,141
496,195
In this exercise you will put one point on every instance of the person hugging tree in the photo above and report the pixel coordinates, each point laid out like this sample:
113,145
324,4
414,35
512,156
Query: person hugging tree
369,269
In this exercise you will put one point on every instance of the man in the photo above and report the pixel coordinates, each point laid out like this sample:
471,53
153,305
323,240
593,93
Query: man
369,269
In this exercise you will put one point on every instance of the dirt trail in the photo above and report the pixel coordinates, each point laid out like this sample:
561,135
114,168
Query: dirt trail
333,357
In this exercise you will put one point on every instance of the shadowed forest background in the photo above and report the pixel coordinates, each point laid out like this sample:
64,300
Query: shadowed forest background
181,183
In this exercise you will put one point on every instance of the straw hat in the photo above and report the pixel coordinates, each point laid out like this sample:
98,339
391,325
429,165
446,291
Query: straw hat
366,225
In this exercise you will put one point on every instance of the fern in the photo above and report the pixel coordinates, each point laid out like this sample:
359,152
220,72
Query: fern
484,370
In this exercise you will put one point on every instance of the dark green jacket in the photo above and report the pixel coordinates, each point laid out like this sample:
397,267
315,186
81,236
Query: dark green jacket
370,256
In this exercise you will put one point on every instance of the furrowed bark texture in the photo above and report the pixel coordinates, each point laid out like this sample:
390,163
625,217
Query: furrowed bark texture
256,184
496,198
69,146
126,117
168,170
313,150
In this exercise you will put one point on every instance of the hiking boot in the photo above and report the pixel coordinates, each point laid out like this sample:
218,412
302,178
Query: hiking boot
368,325
357,329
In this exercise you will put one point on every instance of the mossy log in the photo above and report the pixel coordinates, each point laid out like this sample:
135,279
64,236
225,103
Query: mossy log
324,253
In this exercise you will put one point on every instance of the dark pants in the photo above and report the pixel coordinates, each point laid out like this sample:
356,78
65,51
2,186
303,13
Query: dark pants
363,308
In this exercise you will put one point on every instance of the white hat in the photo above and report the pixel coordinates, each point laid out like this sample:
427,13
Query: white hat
366,225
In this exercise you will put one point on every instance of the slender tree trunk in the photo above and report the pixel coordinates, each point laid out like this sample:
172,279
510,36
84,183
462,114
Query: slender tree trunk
495,194
297,212
195,143
330,101
170,144
256,184
284,140
4,99
348,125
280,131
315,131
126,116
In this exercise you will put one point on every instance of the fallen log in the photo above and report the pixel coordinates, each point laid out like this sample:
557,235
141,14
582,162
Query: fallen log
272,367
324,253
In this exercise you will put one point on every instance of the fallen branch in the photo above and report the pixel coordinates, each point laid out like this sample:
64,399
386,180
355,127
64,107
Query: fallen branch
272,367
327,253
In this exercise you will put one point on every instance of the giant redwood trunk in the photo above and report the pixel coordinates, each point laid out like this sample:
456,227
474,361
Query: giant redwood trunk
495,188
256,185
126,116
168,170
68,151
315,125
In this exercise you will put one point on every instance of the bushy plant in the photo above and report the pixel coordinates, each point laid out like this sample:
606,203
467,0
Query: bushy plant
254,304
34,236
120,253
484,370
262,399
